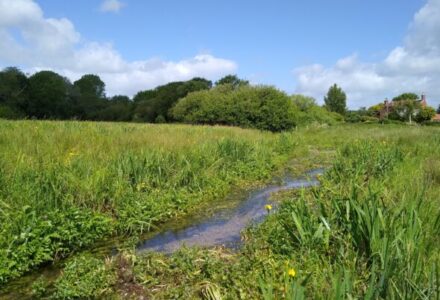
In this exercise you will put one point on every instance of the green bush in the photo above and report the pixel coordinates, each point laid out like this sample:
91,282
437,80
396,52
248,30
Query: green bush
309,113
260,107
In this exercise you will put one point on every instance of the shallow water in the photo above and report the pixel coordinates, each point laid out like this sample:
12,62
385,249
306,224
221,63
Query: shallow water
225,225
219,224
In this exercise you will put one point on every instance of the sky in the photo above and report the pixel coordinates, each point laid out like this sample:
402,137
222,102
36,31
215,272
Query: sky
373,49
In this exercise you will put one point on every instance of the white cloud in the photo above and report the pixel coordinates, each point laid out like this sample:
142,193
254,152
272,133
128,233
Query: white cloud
34,42
113,6
413,66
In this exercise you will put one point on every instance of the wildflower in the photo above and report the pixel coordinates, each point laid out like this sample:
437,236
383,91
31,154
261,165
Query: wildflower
291,272
141,186
268,207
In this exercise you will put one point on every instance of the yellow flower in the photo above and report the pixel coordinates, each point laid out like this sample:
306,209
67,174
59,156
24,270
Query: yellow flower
268,207
291,272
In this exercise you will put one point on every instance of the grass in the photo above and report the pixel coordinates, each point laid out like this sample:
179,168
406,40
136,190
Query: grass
65,185
371,230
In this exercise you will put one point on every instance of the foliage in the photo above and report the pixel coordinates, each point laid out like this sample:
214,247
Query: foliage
84,277
438,109
335,100
13,92
375,109
406,97
118,108
154,103
370,231
232,80
48,96
425,114
258,107
309,113
90,98
29,239
59,192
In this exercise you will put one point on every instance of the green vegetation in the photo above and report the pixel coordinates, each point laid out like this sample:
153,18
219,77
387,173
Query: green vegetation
258,107
233,101
406,96
66,185
370,230
336,100
307,112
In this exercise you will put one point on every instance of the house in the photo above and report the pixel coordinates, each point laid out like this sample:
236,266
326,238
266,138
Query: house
436,118
388,106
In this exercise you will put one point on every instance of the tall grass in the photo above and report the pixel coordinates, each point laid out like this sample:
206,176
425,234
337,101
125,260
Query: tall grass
64,185
368,223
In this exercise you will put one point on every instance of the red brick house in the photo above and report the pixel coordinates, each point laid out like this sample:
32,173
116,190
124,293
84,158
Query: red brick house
388,106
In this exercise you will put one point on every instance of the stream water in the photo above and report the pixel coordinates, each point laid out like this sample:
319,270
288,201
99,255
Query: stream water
225,225
218,224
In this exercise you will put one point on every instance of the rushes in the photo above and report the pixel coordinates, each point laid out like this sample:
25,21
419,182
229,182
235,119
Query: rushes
131,176
392,241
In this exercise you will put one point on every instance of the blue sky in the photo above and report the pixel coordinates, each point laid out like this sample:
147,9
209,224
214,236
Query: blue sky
368,47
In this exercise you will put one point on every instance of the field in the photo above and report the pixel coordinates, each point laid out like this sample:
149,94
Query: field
371,230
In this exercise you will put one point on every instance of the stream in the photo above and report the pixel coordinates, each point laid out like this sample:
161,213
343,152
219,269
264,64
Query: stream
219,224
225,225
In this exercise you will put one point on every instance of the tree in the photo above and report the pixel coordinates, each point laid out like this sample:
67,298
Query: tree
405,110
425,114
13,92
90,97
406,96
335,100
258,107
48,96
118,108
153,105
233,80
303,102
438,109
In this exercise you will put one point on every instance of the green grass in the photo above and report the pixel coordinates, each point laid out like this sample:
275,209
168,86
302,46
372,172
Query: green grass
65,185
371,230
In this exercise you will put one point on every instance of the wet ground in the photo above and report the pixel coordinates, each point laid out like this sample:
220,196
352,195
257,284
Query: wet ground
218,224
225,225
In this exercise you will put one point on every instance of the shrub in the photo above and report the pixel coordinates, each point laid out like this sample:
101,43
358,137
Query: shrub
260,107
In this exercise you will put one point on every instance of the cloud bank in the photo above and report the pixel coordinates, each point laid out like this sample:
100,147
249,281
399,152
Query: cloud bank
413,66
32,41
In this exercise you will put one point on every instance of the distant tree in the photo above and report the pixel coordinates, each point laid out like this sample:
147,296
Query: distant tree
335,100
405,110
90,97
303,102
153,105
438,109
425,114
374,111
48,96
233,80
117,108
258,107
406,96
13,92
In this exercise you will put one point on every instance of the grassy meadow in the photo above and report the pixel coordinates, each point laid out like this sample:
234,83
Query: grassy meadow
371,230
65,185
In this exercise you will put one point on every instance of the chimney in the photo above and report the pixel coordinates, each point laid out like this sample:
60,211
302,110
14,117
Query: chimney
423,100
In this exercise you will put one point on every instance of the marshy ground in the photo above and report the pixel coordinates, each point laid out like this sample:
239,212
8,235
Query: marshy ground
370,230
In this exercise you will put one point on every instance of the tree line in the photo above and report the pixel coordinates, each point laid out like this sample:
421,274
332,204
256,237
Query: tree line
48,95
229,101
